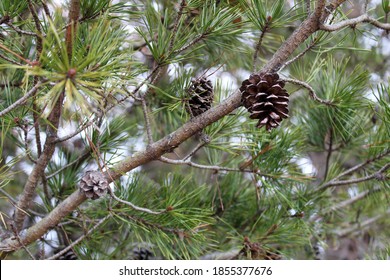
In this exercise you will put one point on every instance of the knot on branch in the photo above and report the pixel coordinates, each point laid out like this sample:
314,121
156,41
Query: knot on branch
94,184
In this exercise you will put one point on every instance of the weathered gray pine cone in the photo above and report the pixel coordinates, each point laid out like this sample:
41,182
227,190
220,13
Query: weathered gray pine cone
94,184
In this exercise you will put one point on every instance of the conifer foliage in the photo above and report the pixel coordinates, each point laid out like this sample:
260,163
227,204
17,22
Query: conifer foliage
130,129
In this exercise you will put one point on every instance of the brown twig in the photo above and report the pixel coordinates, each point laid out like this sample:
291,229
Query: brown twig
216,168
176,25
21,101
260,41
365,18
345,203
358,227
146,113
37,26
81,238
378,175
312,93
49,147
301,54
135,207
17,237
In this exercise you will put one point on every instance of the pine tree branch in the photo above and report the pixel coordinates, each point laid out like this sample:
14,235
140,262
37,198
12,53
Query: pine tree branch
37,26
17,237
46,9
358,227
35,232
22,32
176,26
312,93
21,101
379,175
52,130
259,43
365,18
308,48
79,130
169,142
81,238
216,168
82,157
135,207
345,203
147,120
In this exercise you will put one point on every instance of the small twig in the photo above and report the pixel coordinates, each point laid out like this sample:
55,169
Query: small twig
196,149
20,241
13,201
135,91
308,48
22,32
308,10
147,120
329,154
359,166
176,26
46,9
215,167
365,7
193,42
345,203
79,130
37,26
259,43
15,54
377,175
10,60
358,227
68,165
137,208
81,238
21,101
310,89
353,22
25,130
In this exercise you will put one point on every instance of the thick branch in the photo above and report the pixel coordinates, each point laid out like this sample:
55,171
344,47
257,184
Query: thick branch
51,220
49,148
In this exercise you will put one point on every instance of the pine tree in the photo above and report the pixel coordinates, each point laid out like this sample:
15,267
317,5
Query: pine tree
247,129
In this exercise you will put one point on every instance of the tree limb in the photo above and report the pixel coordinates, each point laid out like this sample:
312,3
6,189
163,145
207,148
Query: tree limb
365,18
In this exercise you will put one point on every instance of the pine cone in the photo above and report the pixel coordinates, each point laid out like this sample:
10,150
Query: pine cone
201,96
266,99
94,184
69,255
142,254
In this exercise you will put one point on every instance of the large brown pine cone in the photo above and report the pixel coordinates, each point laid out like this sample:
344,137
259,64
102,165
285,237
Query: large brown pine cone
266,99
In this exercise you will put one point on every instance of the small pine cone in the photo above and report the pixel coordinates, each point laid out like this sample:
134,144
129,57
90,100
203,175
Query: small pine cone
201,96
69,255
94,185
142,254
266,99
